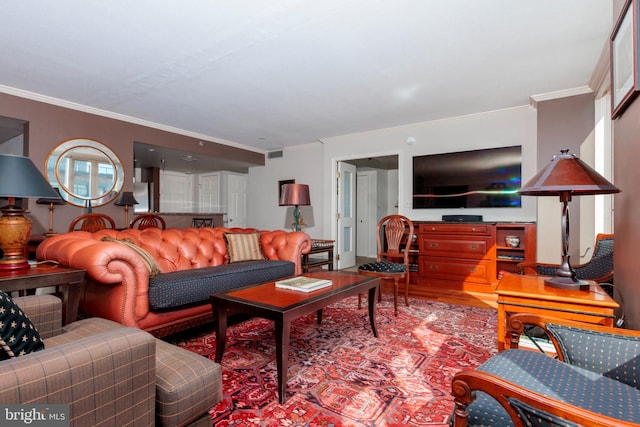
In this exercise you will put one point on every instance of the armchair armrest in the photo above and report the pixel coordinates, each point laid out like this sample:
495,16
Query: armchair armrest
45,311
106,379
613,352
466,384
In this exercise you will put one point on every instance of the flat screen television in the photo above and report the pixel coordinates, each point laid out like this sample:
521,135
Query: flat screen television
487,178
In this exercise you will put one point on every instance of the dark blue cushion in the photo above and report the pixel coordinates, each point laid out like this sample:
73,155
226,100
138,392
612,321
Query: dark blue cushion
190,287
383,267
545,375
18,335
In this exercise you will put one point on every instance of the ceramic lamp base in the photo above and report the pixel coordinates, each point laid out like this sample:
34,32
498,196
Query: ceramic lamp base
15,230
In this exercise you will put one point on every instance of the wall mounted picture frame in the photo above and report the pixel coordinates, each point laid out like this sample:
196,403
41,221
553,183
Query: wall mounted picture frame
624,58
280,184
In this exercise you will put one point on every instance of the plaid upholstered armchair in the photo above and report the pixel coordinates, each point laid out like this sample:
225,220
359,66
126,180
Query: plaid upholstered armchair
594,381
108,374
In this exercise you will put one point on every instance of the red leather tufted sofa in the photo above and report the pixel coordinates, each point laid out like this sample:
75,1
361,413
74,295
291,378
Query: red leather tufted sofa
117,285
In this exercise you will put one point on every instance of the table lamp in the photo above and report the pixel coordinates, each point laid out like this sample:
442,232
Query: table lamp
295,195
51,202
565,177
126,199
20,178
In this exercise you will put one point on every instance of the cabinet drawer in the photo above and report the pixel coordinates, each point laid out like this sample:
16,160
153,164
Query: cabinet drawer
456,228
455,246
456,270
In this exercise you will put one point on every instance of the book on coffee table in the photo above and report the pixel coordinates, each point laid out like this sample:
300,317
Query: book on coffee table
303,284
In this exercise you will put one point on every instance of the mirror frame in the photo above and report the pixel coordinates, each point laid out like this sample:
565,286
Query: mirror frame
65,147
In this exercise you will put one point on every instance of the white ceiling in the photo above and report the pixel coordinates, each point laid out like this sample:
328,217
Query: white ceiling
271,74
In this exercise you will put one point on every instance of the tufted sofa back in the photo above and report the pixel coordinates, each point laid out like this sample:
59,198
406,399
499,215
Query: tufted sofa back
181,249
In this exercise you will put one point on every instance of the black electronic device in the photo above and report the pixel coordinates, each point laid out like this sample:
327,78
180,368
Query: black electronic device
485,178
462,218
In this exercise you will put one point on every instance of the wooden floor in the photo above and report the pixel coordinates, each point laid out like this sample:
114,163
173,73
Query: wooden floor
449,296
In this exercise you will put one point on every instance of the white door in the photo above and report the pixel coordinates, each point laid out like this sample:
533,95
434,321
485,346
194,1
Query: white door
209,193
346,215
237,200
366,213
176,194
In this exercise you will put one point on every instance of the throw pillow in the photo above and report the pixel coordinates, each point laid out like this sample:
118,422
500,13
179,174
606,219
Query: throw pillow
18,335
149,260
244,246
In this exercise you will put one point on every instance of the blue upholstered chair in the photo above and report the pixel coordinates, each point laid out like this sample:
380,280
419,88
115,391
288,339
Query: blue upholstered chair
393,255
594,381
599,268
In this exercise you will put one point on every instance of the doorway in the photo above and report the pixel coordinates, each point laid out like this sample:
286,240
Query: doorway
375,189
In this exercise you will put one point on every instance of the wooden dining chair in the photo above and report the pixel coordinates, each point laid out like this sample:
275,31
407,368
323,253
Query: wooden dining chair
92,222
392,261
148,221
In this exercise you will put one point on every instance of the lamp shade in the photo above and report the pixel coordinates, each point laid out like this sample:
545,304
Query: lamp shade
51,201
19,177
126,199
566,173
295,195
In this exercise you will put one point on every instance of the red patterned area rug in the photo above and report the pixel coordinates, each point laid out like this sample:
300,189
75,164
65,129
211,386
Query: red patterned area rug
341,375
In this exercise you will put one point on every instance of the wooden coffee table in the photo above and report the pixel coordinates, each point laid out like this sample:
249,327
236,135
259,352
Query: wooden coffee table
283,306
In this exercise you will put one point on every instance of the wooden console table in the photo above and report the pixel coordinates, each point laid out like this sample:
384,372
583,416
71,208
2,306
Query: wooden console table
528,294
69,279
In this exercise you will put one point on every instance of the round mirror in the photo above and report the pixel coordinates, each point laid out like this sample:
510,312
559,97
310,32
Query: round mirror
87,172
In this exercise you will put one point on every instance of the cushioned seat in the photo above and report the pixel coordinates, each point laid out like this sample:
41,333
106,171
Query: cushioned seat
594,381
558,380
383,266
187,287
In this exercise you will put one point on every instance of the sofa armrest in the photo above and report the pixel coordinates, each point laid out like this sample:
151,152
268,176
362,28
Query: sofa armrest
465,384
106,379
117,285
286,246
45,311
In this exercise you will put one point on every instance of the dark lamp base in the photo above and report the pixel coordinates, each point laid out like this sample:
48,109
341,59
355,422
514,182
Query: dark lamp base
570,283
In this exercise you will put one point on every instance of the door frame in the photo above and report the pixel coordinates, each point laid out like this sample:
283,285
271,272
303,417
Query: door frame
404,202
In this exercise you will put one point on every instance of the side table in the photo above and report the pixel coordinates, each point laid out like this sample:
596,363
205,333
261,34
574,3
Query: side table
70,280
528,294
318,247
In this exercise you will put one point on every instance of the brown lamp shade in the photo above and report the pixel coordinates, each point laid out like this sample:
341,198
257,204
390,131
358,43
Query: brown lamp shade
566,173
295,195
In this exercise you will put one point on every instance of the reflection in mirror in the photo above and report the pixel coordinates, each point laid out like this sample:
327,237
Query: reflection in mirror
87,172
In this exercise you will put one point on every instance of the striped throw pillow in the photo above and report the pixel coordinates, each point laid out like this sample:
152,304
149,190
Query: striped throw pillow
244,246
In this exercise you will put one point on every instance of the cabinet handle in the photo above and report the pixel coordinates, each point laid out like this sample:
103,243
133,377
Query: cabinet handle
473,247
433,267
433,229
433,245
473,270
473,229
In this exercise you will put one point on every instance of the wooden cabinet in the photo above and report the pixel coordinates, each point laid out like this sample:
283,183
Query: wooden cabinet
508,256
468,256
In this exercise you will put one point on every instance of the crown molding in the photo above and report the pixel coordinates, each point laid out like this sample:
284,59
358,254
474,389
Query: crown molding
117,116
534,99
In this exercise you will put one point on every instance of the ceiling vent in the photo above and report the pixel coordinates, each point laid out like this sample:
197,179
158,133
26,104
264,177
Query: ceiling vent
278,154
